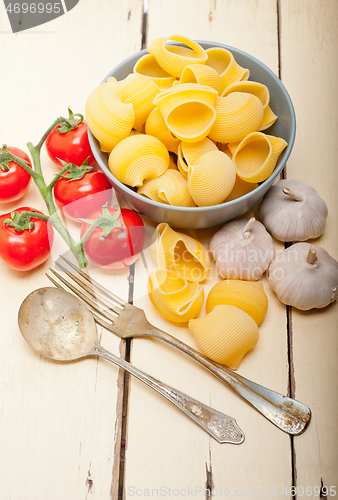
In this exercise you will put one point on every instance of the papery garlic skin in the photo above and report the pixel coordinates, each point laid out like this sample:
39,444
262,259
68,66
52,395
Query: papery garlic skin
304,276
242,250
296,214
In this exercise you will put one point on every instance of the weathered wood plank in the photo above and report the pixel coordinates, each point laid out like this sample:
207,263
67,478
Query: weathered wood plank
58,426
309,37
164,447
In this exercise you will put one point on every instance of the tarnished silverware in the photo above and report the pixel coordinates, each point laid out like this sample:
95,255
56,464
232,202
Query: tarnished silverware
125,320
57,325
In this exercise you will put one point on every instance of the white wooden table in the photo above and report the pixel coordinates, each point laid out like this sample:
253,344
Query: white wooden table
79,430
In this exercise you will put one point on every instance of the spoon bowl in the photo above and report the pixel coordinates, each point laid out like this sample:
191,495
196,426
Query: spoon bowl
57,325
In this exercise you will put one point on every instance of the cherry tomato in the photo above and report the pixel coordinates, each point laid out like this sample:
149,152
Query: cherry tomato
15,181
71,147
27,249
122,246
79,198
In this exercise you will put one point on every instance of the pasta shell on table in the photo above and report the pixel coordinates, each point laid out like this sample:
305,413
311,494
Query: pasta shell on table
174,58
225,335
174,297
203,75
139,91
138,158
238,114
180,253
259,90
241,188
255,157
109,119
245,295
148,66
223,61
188,110
211,178
155,125
189,152
170,187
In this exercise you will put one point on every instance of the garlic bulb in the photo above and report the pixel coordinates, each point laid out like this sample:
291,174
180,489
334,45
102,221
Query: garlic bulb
293,211
242,250
304,276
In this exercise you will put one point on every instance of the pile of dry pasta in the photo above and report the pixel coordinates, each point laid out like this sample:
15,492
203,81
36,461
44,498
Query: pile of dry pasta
186,127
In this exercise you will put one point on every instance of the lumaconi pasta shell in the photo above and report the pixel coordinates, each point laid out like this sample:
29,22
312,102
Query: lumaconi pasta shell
188,110
180,253
259,90
255,157
148,66
203,75
225,335
224,148
138,158
139,91
174,297
174,58
171,188
211,178
242,294
108,118
238,115
156,126
241,188
189,152
223,61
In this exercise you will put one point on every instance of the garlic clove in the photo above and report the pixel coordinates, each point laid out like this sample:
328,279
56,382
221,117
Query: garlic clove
242,250
293,211
304,276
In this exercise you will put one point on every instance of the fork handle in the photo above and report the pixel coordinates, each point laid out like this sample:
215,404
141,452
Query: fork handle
289,415
220,426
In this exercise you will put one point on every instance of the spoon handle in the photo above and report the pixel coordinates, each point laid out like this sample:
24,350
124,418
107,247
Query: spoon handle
288,414
220,426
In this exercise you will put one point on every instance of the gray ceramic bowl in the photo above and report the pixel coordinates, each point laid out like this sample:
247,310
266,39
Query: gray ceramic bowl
198,217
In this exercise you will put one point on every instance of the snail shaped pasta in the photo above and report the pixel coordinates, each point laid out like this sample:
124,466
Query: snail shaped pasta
223,61
203,75
171,188
189,152
174,297
259,90
238,114
188,110
138,158
241,188
110,119
179,253
139,91
225,334
255,157
148,66
211,178
174,58
246,295
156,126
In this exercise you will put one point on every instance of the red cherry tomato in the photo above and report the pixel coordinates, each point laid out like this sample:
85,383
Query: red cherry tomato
122,246
27,249
15,181
71,147
79,198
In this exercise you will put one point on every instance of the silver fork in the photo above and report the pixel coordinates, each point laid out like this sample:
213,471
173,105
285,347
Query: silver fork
126,320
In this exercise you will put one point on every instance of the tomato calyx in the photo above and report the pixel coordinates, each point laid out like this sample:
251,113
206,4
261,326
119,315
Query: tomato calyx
5,158
71,123
20,221
107,222
73,172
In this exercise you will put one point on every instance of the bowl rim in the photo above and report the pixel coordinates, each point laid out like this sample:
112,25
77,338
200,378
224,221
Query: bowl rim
242,199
